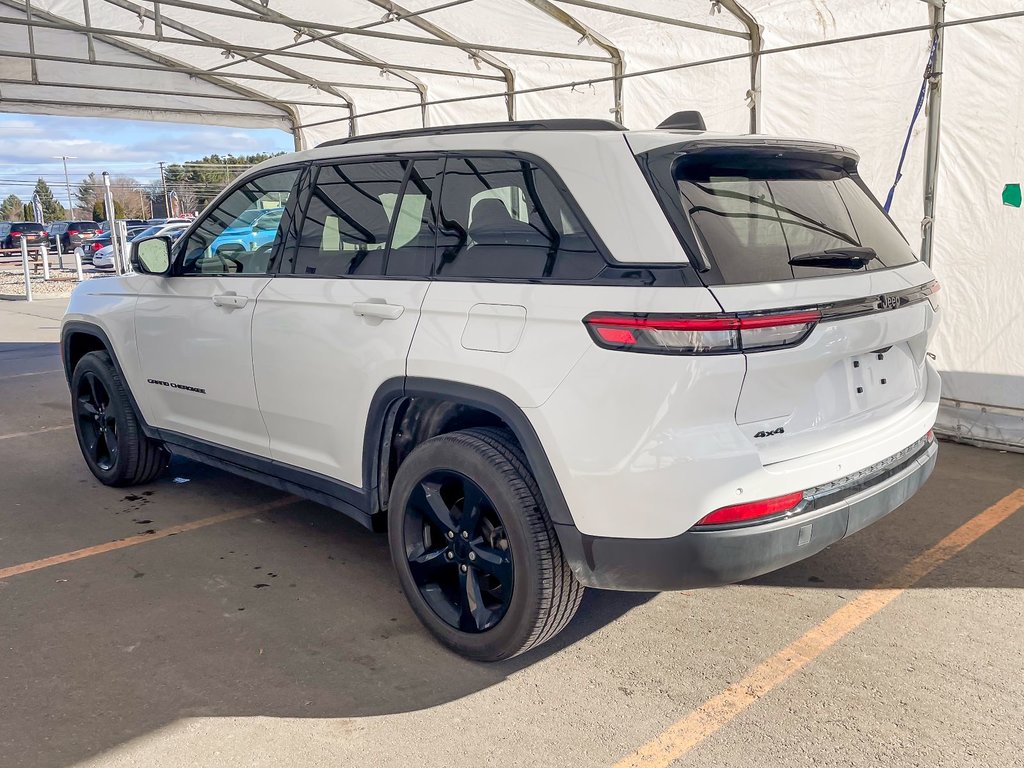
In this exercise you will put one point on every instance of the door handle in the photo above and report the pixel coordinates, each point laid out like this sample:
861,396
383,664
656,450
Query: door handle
378,310
230,300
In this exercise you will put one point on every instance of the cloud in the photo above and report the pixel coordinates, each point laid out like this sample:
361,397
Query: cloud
31,146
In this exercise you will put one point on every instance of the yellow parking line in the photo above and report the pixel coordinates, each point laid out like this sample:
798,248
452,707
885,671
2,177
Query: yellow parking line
142,538
36,431
717,712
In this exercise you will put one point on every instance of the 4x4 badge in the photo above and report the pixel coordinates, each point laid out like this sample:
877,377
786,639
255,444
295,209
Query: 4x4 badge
769,433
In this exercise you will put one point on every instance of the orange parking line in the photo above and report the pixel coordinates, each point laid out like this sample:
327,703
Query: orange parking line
36,431
142,538
717,712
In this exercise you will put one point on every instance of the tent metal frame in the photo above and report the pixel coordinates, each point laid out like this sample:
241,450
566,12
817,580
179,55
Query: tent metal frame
308,31
232,87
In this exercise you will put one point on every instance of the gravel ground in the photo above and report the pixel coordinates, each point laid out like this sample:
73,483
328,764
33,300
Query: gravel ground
61,283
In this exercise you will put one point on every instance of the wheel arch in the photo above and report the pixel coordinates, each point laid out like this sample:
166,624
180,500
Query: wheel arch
78,338
395,394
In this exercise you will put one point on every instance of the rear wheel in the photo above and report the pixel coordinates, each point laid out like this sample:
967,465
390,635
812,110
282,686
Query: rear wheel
112,442
476,554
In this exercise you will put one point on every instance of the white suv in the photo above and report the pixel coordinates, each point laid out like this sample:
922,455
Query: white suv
543,355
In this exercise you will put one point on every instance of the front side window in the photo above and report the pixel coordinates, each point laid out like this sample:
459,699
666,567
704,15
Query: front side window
240,235
504,218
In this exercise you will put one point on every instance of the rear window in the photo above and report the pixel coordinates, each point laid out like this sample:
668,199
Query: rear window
88,226
756,212
27,226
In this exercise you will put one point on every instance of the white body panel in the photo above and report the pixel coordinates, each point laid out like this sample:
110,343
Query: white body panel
318,364
185,339
552,339
641,445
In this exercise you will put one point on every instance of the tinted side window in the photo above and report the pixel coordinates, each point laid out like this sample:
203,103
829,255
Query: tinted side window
240,234
348,219
505,218
412,244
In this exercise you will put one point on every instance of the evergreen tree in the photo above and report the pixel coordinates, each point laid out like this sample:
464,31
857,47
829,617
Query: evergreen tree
89,191
11,209
99,212
52,210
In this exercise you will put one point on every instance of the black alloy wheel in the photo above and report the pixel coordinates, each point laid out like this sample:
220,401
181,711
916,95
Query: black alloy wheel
97,415
114,445
458,551
476,554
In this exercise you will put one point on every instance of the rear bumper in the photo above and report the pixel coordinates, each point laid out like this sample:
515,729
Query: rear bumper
725,556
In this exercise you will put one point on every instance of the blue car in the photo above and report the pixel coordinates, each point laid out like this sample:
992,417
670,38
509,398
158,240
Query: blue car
253,229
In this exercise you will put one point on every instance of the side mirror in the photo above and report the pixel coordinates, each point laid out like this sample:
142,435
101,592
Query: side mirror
152,256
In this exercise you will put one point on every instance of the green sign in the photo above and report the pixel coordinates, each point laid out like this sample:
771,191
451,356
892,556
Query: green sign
1011,195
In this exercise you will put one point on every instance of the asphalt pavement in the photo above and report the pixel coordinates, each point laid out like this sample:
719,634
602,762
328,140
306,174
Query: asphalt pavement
206,620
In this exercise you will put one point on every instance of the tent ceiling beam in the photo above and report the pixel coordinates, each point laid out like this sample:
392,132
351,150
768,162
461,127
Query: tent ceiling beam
474,53
412,18
131,107
283,20
308,40
590,35
201,74
204,39
656,18
160,64
162,92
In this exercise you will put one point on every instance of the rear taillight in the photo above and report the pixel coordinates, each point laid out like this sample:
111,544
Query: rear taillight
72,232
932,290
700,334
753,510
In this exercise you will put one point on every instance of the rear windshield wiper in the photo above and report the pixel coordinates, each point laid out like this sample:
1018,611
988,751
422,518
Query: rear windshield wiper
852,257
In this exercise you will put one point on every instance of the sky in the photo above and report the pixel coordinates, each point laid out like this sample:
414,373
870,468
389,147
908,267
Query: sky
29,144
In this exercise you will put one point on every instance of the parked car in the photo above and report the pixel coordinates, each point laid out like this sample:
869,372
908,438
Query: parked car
542,355
253,229
105,225
72,234
12,233
103,258
155,222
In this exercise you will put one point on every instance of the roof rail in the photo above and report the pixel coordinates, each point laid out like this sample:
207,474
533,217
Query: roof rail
560,124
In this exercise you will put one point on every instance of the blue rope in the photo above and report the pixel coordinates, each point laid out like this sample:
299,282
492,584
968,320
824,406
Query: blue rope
913,121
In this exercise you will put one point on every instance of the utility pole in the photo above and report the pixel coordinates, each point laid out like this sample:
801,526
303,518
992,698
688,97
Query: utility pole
163,183
67,181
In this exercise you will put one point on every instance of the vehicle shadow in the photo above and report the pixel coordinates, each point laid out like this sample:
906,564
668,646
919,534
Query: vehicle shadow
292,613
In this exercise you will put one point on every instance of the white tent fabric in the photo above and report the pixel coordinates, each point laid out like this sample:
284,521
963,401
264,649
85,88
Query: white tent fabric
324,68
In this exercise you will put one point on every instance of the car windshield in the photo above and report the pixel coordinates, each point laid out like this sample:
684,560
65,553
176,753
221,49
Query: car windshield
148,232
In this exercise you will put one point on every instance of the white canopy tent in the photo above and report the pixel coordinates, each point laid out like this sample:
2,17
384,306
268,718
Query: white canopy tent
845,70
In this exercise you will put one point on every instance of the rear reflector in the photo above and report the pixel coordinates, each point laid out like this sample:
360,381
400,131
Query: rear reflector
700,334
753,510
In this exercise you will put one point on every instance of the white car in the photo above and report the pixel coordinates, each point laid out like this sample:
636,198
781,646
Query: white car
103,259
542,355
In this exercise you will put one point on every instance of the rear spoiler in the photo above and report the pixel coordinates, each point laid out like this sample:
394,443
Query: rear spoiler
835,154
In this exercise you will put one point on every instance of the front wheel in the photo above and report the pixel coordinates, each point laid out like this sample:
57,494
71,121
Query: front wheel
475,551
112,442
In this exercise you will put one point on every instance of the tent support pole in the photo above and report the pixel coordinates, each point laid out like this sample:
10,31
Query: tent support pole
617,59
931,168
756,43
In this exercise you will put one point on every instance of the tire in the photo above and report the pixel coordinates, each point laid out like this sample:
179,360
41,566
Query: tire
510,561
109,435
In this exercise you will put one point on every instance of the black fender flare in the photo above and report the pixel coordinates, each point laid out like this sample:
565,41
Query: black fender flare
91,329
393,390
